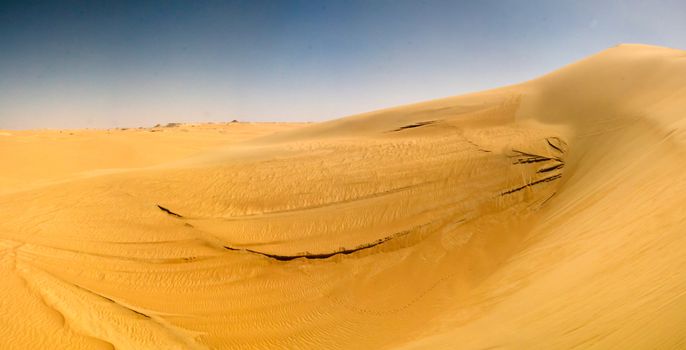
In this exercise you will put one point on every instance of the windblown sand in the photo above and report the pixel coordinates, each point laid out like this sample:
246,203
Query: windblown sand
545,215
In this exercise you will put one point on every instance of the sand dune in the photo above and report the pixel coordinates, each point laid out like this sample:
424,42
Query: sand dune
548,214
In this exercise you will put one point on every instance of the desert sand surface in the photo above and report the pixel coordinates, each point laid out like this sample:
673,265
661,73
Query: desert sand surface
545,215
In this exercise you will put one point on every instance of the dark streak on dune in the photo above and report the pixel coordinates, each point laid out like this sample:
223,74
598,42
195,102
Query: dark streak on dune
553,146
415,125
551,168
307,255
547,179
525,158
340,251
168,211
110,300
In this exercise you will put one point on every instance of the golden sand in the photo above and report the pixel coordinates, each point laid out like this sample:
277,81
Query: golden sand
545,215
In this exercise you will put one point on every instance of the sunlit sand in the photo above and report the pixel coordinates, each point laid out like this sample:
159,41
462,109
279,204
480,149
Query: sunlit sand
545,215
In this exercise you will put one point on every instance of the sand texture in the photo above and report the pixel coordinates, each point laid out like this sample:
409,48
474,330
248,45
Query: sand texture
545,215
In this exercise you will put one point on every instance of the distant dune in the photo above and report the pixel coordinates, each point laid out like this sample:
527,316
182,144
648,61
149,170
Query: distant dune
545,215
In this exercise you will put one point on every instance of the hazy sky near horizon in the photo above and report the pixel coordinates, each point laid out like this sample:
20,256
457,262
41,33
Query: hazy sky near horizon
137,63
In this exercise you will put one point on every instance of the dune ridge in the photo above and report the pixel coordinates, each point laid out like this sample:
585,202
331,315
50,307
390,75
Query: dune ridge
547,214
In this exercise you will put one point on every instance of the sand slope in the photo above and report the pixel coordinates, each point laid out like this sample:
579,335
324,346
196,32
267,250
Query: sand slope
548,214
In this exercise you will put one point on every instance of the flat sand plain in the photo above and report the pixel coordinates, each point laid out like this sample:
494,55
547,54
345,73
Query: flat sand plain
545,215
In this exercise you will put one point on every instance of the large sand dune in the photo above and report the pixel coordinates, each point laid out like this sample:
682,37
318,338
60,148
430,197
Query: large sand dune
549,214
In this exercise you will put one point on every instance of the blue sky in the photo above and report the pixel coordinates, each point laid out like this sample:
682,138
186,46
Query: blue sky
118,63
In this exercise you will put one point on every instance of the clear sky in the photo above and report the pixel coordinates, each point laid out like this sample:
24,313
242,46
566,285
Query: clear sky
119,63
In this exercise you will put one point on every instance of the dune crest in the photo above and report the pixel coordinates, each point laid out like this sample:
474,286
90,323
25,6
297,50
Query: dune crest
547,214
